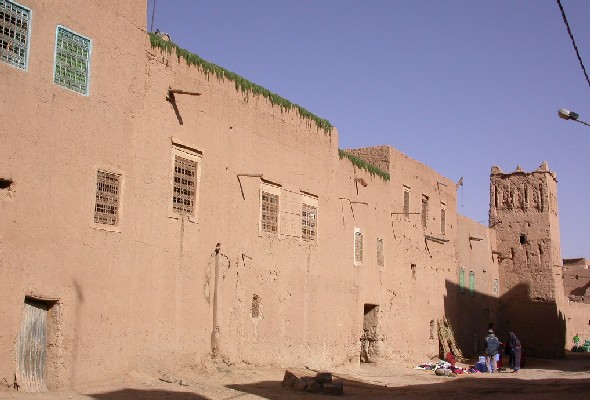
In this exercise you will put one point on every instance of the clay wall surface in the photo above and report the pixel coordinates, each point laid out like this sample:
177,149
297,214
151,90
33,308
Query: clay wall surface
159,289
52,141
576,280
578,322
478,308
377,156
523,211
424,254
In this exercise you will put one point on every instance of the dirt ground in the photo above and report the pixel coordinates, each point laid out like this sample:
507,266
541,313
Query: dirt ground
541,379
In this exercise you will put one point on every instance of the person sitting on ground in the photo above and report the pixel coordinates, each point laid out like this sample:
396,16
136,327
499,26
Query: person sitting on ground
492,346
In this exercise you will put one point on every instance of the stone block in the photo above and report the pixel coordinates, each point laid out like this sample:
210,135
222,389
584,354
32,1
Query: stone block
314,387
336,388
323,377
289,379
300,385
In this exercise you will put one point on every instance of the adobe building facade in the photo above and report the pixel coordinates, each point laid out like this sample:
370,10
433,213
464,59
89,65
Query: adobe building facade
160,211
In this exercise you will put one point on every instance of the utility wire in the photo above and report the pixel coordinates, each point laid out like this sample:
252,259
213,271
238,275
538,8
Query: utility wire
573,41
153,14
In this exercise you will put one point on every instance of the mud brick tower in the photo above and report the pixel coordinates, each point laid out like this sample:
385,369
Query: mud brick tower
524,213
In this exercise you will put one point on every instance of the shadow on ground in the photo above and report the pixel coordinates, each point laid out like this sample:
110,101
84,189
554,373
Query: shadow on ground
135,394
570,382
455,388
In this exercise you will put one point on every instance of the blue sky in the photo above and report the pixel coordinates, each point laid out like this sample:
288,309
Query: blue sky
458,85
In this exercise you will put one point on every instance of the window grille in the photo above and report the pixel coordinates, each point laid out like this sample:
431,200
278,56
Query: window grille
107,198
309,222
443,223
15,22
471,283
407,202
462,280
72,60
270,212
358,246
424,211
496,287
380,255
185,186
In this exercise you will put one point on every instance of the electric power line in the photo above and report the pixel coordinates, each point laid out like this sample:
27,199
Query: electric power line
153,14
573,41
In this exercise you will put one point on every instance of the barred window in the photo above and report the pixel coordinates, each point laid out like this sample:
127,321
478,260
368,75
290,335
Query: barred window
443,223
270,212
185,186
462,280
496,287
15,33
106,208
309,222
380,255
358,246
424,211
407,201
471,283
72,60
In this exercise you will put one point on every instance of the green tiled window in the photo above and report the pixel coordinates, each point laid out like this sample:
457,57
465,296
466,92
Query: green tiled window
72,60
15,33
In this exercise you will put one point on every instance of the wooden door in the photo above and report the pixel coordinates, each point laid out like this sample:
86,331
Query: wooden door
31,348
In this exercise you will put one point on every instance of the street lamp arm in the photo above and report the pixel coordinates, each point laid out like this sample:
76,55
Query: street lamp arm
582,122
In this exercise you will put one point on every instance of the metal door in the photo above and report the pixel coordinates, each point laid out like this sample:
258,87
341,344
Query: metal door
31,348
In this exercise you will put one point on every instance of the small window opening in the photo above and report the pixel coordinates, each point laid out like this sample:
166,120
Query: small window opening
5,183
522,239
413,267
255,306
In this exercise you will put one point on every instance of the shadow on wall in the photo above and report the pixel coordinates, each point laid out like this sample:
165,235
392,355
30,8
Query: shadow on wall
580,291
539,325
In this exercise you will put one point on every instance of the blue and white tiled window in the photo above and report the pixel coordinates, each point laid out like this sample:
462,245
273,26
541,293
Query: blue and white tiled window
15,33
72,60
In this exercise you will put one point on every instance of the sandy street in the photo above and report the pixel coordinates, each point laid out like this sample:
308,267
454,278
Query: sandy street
542,379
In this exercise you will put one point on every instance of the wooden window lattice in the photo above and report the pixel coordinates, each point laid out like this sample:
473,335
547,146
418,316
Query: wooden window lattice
14,33
462,280
471,283
270,212
380,255
185,186
107,198
424,211
309,222
443,223
72,60
358,246
407,203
